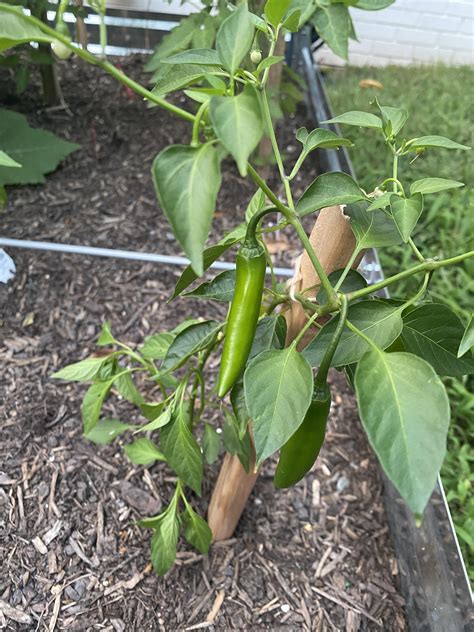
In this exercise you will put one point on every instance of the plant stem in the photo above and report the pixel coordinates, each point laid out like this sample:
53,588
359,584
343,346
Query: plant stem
427,266
270,53
325,282
345,272
395,172
260,182
325,365
105,65
271,132
360,333
418,254
197,123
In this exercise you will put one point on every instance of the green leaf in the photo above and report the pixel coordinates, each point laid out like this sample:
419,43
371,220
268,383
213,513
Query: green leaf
187,180
165,541
238,124
152,410
126,387
106,337
433,185
467,342
197,531
239,407
106,430
333,24
257,203
15,29
278,391
189,342
406,213
235,38
372,230
292,21
182,450
36,150
211,444
357,118
275,10
200,56
92,404
405,412
393,119
159,421
266,336
267,62
156,346
176,77
236,444
318,138
220,288
329,189
380,202
352,282
143,452
188,275
382,323
434,332
82,371
422,142
6,161
178,39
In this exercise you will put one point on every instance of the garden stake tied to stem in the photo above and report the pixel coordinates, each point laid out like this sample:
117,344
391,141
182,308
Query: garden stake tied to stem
387,346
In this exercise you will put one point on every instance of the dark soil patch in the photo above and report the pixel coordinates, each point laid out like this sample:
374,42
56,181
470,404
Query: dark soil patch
317,557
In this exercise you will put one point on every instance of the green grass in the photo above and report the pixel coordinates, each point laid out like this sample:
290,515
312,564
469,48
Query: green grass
439,100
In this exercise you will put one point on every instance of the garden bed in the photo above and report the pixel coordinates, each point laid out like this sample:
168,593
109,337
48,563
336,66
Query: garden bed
315,557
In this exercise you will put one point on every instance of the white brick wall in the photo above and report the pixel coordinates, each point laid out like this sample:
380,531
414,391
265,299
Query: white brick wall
408,31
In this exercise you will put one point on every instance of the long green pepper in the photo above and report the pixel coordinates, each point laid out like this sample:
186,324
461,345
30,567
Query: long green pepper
298,454
244,311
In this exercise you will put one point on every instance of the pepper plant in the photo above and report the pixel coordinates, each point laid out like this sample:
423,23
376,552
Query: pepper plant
275,398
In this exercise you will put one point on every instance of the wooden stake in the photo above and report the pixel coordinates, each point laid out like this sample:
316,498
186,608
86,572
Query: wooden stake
334,243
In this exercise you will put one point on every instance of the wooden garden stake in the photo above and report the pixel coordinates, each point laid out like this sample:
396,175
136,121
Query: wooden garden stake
334,243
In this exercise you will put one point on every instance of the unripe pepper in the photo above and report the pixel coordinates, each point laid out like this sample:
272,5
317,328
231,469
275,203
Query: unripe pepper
244,311
298,454
301,450
59,48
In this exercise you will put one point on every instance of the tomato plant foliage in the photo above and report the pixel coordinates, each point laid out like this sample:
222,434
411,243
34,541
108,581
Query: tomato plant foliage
395,350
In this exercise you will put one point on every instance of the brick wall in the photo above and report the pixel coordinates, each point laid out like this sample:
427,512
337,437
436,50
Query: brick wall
408,31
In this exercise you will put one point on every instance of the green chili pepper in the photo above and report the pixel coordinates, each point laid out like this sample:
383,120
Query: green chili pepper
301,450
245,307
298,454
244,311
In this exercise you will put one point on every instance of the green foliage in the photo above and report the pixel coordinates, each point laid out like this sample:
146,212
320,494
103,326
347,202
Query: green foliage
445,228
396,345
408,436
37,151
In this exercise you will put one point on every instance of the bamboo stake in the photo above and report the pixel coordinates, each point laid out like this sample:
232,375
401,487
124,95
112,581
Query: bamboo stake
334,242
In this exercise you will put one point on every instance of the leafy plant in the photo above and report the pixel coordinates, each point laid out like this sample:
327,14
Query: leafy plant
445,228
402,401
30,153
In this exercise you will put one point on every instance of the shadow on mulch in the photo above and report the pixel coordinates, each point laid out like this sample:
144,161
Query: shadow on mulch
316,557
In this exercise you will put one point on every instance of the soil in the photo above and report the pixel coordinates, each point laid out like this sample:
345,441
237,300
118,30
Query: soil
316,557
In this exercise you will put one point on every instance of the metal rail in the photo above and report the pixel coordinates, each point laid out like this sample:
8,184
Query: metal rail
131,255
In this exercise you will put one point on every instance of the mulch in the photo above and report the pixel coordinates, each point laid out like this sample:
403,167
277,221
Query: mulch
315,557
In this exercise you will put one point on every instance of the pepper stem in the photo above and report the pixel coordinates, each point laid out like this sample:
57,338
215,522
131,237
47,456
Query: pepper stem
325,365
252,227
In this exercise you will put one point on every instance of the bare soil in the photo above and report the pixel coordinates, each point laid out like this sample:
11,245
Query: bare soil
316,557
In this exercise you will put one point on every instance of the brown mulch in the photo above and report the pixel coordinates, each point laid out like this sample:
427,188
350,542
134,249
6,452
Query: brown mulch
316,557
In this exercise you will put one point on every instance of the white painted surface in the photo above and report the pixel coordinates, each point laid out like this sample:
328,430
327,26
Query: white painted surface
411,31
408,31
